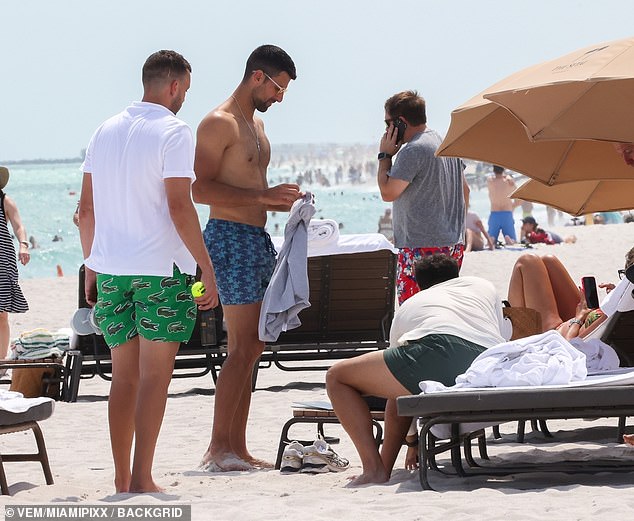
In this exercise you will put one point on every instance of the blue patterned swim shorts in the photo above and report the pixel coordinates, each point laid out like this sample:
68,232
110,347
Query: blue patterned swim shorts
244,259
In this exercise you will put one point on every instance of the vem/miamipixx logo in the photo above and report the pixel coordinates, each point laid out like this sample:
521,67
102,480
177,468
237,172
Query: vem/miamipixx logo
89,512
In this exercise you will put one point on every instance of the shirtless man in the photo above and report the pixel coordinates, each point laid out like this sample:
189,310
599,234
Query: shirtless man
501,218
232,156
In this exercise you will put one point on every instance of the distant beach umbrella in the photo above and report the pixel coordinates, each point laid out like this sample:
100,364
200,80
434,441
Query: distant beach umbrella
586,94
581,197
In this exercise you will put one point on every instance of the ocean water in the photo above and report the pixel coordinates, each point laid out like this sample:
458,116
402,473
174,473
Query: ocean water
47,194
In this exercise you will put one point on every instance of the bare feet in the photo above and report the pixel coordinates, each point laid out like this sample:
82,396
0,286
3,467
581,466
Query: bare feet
259,463
145,487
411,458
628,438
224,463
369,477
122,485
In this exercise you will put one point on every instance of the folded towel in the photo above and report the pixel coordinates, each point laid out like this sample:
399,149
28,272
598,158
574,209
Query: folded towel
40,343
322,232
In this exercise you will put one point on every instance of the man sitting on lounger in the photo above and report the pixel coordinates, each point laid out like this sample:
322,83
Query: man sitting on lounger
435,335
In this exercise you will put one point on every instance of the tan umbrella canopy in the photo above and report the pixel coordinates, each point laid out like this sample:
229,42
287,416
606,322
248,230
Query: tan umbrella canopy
581,197
587,94
485,131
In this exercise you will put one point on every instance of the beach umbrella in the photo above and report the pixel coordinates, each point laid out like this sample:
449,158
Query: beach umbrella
586,94
485,131
580,197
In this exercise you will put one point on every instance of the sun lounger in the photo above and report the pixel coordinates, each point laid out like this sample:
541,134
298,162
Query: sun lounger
352,296
22,418
496,405
44,377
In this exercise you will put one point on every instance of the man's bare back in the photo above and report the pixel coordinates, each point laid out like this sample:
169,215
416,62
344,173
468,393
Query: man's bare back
500,187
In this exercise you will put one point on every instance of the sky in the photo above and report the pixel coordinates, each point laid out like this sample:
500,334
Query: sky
69,64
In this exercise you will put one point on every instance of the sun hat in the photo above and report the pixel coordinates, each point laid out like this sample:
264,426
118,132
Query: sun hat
4,176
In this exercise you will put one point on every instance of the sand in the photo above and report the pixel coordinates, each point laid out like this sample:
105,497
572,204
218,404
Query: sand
78,444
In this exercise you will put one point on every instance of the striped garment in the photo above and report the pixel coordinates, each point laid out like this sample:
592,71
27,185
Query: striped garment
11,297
40,343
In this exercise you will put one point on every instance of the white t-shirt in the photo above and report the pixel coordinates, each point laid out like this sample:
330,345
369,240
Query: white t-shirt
128,157
467,307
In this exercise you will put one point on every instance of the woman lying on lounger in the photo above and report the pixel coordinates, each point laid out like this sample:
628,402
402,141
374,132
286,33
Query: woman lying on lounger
435,335
544,284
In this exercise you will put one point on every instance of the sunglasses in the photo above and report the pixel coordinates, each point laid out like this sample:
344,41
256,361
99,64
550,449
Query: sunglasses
280,89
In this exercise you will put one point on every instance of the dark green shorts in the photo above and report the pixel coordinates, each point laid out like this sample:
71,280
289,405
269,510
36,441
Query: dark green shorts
160,309
434,357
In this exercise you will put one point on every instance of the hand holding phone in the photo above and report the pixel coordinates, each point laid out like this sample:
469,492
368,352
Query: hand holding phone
589,285
400,127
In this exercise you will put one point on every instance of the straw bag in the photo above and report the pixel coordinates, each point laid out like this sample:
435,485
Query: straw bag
36,381
525,321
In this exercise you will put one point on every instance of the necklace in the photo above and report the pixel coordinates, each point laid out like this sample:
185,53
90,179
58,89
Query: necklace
252,129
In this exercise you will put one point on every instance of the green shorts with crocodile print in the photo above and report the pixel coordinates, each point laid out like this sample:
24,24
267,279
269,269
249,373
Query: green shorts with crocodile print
160,309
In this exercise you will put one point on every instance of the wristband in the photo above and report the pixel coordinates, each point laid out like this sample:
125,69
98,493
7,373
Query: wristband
384,155
411,443
25,243
575,321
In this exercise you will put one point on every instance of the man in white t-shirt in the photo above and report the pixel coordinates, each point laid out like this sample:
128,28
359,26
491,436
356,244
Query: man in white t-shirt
141,241
435,335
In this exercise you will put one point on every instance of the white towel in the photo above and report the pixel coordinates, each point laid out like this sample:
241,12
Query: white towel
15,402
599,355
350,243
619,299
287,293
322,232
544,359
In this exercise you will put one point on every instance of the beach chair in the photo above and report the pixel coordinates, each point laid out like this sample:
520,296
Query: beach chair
11,422
91,356
618,332
352,296
499,405
320,414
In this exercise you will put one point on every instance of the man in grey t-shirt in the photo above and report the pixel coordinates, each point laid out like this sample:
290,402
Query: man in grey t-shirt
429,193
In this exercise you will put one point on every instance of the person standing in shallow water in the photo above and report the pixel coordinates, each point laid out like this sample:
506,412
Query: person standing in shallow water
232,156
11,297
500,186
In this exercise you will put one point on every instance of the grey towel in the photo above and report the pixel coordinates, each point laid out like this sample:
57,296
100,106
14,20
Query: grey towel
287,293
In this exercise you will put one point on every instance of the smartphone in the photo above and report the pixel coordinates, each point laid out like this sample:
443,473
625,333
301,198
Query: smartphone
400,126
589,285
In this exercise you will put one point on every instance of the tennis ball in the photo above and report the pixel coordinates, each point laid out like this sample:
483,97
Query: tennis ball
198,289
